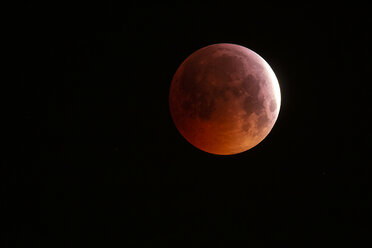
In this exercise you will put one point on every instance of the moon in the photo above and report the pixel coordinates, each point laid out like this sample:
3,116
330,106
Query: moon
224,99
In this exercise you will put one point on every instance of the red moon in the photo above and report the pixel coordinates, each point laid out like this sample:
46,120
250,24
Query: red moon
224,99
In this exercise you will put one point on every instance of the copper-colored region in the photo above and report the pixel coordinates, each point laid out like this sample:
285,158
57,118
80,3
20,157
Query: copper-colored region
224,99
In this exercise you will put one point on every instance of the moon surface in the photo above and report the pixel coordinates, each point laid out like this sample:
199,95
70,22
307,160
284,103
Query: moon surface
224,99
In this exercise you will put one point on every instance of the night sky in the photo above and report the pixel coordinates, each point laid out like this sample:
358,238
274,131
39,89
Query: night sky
92,157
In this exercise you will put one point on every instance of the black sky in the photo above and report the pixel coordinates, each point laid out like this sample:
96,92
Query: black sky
93,158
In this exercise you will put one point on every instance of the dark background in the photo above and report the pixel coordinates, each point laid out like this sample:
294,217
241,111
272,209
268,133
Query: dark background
92,157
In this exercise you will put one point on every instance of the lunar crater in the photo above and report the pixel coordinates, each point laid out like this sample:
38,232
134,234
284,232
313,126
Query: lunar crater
272,105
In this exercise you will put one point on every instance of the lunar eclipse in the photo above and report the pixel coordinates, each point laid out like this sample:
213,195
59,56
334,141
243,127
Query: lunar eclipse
224,99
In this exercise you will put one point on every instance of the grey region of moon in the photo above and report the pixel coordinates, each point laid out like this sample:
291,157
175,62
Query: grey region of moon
224,99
